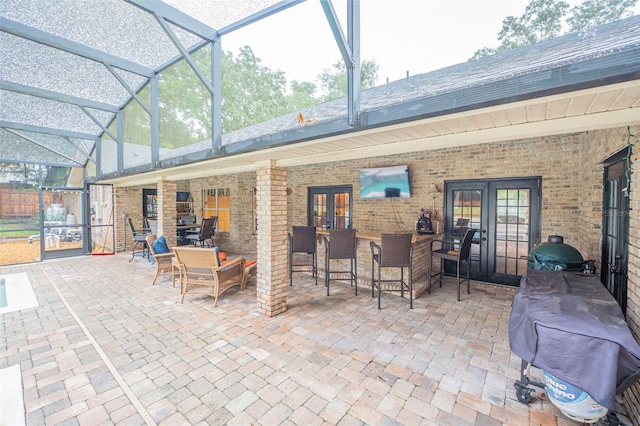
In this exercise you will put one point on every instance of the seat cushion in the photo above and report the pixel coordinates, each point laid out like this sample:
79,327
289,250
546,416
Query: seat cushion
160,246
222,256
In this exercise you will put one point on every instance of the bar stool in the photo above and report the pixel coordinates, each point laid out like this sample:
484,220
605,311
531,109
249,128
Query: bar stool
342,244
394,251
303,240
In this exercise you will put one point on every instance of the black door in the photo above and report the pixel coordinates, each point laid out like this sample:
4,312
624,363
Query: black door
615,250
506,216
330,207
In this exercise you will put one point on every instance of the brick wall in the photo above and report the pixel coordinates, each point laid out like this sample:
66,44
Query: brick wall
557,160
241,238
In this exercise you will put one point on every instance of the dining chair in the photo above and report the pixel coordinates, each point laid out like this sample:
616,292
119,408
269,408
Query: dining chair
394,251
302,241
455,250
139,237
205,233
341,245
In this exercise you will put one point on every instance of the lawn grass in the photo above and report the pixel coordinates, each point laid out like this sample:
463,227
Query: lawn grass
18,228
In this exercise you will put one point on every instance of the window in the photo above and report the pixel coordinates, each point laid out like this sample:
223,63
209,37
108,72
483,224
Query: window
217,202
330,206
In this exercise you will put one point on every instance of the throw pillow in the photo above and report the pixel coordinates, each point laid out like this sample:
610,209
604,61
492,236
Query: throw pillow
217,249
160,246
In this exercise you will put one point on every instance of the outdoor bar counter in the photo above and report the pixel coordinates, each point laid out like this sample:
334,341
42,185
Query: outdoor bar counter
421,255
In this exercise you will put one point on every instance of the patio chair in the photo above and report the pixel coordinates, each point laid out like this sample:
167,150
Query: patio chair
302,240
341,245
202,272
205,233
165,261
251,272
138,238
455,250
394,251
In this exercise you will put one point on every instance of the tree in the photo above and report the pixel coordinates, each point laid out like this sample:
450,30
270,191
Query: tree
544,19
334,80
251,93
592,13
302,95
185,103
26,174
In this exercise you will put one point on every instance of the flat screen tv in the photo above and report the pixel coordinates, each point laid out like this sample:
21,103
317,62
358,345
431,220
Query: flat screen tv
385,182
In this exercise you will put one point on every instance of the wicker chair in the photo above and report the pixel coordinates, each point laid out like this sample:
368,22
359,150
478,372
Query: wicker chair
303,241
203,274
165,262
341,245
250,272
394,251
455,250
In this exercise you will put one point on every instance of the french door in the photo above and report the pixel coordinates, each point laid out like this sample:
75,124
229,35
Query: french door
506,216
615,248
330,207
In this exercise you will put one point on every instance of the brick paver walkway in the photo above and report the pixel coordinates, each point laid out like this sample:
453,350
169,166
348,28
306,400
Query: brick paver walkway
107,347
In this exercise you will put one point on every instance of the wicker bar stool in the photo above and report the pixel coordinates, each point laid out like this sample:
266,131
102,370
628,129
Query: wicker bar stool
394,251
302,240
342,244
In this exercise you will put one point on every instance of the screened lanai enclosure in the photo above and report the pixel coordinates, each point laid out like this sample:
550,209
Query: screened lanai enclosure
93,91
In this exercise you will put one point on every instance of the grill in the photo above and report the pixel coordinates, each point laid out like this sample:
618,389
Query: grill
555,254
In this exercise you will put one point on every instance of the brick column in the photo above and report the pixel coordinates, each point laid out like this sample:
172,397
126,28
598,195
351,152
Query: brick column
272,238
167,211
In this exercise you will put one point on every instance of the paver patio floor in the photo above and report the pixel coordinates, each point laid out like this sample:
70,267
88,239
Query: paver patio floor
104,346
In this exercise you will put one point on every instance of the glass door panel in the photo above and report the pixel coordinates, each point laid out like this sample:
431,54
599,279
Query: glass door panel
319,210
512,230
341,210
62,222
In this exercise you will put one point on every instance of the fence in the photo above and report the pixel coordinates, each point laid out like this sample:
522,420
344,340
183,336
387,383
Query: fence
15,203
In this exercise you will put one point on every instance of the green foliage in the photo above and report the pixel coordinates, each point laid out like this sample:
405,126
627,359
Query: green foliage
185,103
251,93
25,174
592,13
544,19
301,96
334,80
28,175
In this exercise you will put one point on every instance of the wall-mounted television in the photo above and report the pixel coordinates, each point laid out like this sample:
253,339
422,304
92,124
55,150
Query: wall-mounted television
385,182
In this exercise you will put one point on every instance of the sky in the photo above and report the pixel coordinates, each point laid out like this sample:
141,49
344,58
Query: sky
402,36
